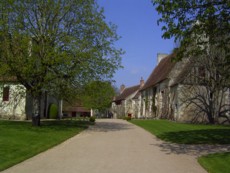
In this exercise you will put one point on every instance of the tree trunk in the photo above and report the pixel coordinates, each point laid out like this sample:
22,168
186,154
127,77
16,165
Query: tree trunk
59,109
211,119
36,120
45,105
37,111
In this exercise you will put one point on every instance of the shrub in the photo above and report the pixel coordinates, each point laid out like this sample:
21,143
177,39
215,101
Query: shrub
128,118
53,111
92,119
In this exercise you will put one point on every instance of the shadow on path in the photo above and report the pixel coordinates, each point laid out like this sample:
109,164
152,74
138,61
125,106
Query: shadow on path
192,150
104,125
196,143
108,125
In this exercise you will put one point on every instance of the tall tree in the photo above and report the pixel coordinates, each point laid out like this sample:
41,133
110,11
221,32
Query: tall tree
98,95
202,29
205,21
56,45
205,90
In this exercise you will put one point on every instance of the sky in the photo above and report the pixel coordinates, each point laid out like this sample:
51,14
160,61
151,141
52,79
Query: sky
140,38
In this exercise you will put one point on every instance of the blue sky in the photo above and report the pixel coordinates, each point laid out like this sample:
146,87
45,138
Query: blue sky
140,38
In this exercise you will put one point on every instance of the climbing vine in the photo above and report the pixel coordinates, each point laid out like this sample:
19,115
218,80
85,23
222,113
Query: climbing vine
154,107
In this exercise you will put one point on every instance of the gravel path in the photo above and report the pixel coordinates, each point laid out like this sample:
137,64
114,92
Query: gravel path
116,146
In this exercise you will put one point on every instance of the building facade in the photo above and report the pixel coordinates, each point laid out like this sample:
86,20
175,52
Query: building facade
127,103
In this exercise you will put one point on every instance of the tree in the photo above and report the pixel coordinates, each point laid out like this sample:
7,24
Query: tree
206,90
98,95
202,28
205,21
56,46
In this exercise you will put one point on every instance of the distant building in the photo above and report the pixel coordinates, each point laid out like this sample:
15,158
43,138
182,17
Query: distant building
75,110
124,104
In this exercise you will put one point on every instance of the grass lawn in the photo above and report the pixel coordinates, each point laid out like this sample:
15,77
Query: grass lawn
193,134
186,133
216,163
20,140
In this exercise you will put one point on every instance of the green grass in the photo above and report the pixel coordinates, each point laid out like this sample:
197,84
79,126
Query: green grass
193,134
186,133
20,140
216,163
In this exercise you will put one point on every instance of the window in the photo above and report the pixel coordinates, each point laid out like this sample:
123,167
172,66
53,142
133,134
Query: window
201,71
6,93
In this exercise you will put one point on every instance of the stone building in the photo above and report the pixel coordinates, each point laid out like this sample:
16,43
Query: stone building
124,104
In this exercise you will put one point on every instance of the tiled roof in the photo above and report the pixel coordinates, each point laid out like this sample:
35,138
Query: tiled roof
160,72
184,70
74,107
127,92
137,95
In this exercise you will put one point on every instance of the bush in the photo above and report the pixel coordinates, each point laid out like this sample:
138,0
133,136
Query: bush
127,118
53,111
92,119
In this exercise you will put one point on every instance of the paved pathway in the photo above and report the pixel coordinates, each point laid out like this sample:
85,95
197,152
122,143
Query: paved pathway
115,146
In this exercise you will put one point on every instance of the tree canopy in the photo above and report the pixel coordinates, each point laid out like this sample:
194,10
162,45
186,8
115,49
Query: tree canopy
56,45
205,21
201,27
98,95
44,41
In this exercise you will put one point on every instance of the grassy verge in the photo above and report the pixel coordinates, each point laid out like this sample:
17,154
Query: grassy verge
20,140
186,133
216,163
193,134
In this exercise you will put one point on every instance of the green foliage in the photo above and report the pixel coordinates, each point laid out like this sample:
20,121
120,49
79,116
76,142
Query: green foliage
53,111
200,21
15,135
127,118
154,107
216,163
186,133
202,30
147,103
98,95
56,46
92,119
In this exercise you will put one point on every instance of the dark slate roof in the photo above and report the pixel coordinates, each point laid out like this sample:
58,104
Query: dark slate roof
127,92
160,72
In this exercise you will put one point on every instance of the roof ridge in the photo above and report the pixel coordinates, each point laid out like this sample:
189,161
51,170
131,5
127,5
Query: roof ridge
160,72
127,92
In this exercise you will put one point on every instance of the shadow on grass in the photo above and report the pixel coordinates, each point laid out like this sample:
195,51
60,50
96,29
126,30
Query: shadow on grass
206,141
207,136
57,125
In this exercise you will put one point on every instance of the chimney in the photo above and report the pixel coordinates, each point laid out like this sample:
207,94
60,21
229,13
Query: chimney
122,88
142,82
161,56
